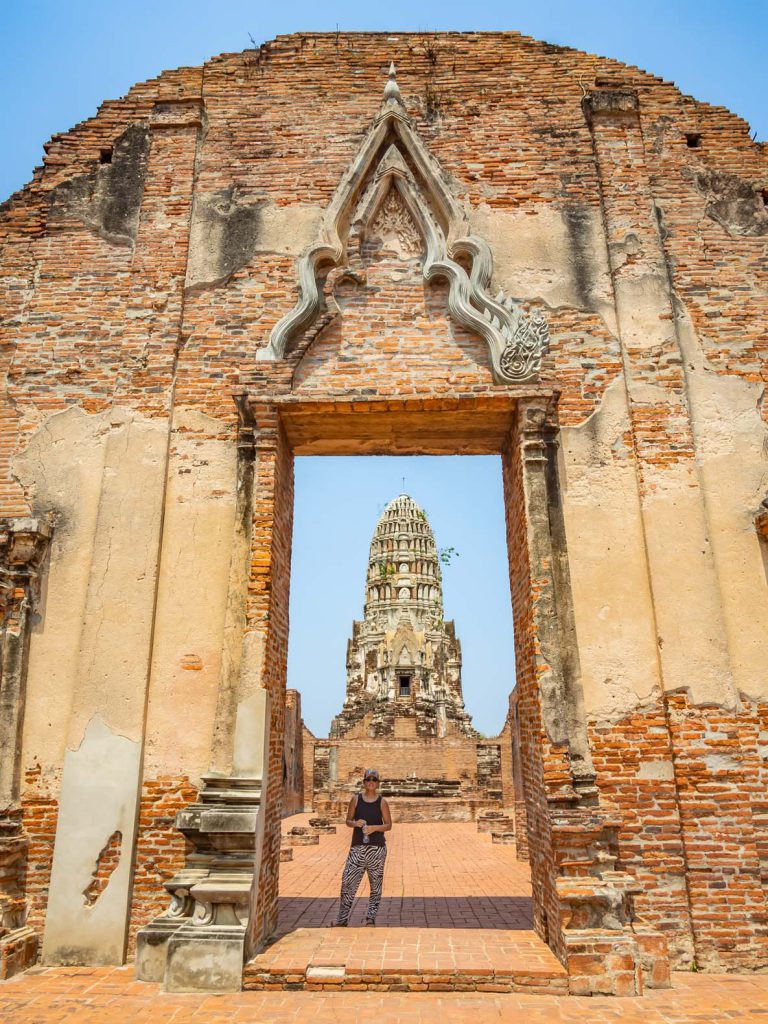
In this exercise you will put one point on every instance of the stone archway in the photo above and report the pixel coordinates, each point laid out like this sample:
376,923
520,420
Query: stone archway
580,900
582,904
225,901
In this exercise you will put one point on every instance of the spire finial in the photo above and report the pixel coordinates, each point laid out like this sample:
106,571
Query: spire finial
391,89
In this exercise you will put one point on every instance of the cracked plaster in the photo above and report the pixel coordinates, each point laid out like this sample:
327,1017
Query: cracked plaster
98,798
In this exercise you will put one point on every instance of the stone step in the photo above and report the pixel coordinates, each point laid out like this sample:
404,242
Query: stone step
503,838
306,838
408,959
322,825
485,823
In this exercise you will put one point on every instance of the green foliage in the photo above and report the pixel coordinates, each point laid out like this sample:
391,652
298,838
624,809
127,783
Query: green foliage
446,555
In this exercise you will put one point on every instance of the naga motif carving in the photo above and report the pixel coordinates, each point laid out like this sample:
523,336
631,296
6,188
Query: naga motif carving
404,188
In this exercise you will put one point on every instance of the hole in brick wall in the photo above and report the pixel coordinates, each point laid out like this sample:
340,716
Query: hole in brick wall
764,195
405,686
693,140
106,862
105,155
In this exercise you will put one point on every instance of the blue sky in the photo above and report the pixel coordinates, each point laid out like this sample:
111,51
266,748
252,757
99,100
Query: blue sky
60,58
338,501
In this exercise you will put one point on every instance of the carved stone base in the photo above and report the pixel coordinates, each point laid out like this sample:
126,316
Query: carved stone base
198,944
605,949
18,951
18,942
206,959
152,948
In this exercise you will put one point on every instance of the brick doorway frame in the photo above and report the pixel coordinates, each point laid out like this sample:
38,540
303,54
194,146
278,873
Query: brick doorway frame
582,904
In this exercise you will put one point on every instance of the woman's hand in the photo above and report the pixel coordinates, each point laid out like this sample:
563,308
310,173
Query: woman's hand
361,823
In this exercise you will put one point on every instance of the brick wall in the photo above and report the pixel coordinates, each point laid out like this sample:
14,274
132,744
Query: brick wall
503,117
160,848
40,813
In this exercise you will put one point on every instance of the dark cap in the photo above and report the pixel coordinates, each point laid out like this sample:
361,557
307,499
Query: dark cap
370,773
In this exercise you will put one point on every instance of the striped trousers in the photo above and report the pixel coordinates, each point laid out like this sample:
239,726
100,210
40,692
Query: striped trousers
362,859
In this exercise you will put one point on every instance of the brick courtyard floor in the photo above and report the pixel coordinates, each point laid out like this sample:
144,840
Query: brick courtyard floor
456,910
111,996
441,881
444,875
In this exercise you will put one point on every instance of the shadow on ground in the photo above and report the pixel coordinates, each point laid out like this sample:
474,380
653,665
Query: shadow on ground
507,912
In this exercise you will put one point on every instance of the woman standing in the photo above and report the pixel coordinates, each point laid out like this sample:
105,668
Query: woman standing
368,814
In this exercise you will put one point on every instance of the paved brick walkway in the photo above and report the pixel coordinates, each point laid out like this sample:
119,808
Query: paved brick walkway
409,959
444,875
456,874
111,996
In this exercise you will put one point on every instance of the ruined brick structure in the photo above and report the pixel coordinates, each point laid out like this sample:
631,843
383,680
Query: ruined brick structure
293,755
521,250
404,707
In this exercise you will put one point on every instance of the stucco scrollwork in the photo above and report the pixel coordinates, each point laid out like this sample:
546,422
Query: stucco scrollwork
394,180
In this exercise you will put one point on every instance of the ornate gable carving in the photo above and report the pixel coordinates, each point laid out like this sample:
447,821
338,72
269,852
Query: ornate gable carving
394,188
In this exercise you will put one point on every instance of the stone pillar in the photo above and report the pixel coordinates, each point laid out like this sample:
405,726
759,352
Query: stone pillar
521,817
23,545
199,944
692,636
674,414
582,903
91,875
208,933
266,643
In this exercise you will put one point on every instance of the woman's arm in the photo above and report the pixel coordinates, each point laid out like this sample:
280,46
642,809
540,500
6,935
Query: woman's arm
350,822
386,817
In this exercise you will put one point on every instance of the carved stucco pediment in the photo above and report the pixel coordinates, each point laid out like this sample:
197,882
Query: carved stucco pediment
394,178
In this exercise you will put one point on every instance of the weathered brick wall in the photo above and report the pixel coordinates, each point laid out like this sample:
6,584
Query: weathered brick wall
293,776
149,258
472,766
308,741
40,812
160,848
542,768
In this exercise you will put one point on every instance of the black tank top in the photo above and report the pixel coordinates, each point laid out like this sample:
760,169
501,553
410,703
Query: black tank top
370,812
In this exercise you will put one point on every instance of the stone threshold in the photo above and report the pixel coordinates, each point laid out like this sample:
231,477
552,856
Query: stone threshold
407,960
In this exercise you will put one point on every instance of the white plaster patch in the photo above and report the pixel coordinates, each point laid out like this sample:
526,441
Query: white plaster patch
537,255
288,229
658,770
732,454
717,763
250,735
99,796
612,602
192,594
319,973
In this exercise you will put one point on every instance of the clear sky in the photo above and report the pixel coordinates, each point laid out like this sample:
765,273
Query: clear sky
60,58
338,502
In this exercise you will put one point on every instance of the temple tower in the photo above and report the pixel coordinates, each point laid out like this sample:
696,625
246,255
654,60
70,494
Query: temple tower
403,659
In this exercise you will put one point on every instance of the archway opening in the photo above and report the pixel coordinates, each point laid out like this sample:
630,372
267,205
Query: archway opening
401,657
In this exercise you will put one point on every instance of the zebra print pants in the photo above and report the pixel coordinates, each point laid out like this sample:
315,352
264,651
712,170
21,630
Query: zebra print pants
362,859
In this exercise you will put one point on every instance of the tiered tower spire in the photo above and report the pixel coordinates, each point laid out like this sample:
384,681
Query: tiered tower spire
403,660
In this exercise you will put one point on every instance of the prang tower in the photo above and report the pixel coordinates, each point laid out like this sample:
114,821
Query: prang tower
403,659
